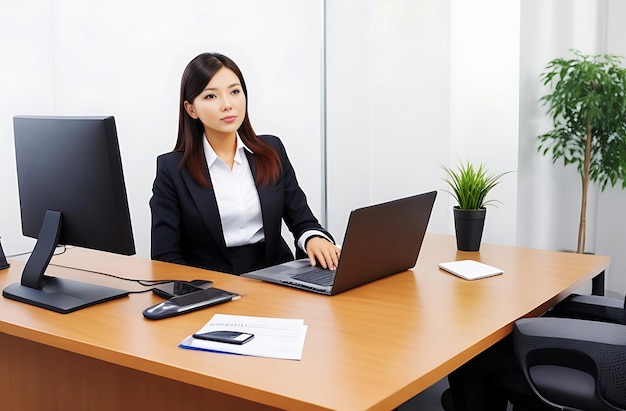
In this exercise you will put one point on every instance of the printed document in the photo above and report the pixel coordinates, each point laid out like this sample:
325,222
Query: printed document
273,337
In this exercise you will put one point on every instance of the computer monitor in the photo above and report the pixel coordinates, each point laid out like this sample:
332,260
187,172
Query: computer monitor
72,192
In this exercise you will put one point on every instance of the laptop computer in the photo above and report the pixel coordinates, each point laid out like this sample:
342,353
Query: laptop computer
380,240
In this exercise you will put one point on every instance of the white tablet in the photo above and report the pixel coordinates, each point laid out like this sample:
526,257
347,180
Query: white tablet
470,269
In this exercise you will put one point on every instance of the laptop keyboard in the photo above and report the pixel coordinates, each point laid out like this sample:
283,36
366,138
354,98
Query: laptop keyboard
319,276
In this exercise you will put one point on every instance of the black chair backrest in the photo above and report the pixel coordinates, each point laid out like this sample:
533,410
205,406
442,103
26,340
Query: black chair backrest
596,348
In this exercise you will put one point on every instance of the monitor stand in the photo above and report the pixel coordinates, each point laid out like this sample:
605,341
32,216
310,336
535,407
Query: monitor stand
3,260
52,293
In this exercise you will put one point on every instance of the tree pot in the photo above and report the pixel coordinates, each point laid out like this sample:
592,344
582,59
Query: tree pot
468,225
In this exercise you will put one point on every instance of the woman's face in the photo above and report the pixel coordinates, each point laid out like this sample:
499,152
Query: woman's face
221,106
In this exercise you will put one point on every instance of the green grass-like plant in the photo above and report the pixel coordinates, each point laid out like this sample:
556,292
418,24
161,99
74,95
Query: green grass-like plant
470,185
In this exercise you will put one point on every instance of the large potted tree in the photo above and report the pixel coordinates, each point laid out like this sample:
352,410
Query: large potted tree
588,109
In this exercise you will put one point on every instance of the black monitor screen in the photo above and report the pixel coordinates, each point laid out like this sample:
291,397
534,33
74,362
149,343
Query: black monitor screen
72,192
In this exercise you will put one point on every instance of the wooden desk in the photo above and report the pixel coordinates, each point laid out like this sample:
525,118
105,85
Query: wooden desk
373,347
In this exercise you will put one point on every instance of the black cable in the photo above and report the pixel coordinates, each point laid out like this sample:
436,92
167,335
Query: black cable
143,283
19,254
31,251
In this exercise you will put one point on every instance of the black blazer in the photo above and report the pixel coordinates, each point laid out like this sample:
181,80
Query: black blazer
186,227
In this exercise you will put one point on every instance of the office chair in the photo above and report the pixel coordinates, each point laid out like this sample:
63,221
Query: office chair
573,364
590,307
573,357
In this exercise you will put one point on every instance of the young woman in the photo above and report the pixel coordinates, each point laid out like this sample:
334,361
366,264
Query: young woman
219,198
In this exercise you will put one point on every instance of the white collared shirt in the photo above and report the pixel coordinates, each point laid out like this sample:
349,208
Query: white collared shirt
237,198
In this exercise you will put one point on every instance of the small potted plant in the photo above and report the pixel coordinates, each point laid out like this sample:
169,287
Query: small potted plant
470,186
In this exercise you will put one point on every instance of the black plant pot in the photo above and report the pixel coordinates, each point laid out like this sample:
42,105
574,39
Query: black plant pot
468,225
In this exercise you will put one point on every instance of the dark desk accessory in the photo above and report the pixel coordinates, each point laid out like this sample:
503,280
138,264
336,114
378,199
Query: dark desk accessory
189,302
3,260
177,288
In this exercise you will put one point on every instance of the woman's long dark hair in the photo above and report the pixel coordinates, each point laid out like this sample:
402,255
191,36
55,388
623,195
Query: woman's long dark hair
196,76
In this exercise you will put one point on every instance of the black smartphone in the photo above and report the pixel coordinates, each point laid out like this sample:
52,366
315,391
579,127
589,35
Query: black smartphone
230,337
177,288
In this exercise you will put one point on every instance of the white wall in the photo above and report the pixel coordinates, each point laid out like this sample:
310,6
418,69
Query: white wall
419,96
348,110
611,220
550,194
408,84
67,57
484,112
419,86
27,86
388,103
459,80
411,95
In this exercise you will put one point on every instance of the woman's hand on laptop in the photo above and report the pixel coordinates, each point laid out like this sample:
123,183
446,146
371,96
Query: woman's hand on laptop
322,251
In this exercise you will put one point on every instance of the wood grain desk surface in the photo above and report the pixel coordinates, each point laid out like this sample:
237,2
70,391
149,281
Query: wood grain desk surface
373,347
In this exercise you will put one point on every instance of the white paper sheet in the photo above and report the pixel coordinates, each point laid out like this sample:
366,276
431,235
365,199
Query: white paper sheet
273,337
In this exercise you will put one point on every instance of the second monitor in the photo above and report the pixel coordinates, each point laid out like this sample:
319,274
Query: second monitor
72,192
